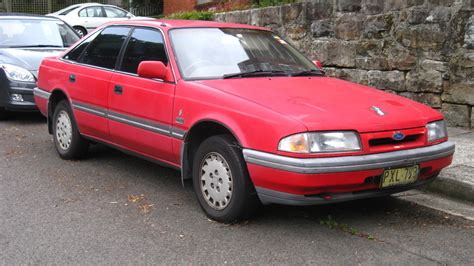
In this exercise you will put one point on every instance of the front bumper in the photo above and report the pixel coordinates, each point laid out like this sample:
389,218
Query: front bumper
308,181
25,89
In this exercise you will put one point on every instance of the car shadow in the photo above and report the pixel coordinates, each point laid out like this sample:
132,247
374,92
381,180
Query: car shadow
24,118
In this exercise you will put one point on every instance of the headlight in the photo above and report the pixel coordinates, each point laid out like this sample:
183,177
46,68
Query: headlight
17,73
436,130
321,142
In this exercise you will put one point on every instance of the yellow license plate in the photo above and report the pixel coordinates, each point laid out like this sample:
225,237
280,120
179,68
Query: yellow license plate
399,176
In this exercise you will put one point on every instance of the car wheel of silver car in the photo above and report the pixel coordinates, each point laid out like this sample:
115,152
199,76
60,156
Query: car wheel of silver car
221,180
80,30
67,139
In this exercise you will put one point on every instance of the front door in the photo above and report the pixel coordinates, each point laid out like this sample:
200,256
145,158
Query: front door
140,109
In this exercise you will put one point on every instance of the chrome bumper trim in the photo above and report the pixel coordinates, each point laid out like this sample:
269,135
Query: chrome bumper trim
41,93
349,163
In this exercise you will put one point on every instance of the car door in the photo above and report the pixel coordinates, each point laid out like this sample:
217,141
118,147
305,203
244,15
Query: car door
89,74
92,17
113,13
140,109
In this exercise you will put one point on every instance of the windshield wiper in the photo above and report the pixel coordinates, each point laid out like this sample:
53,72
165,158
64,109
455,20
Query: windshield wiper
311,72
255,73
35,46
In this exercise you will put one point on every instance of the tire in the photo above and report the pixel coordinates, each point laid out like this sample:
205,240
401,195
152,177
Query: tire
68,141
221,181
3,114
80,30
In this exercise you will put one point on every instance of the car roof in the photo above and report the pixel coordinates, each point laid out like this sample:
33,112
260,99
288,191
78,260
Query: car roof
25,16
172,24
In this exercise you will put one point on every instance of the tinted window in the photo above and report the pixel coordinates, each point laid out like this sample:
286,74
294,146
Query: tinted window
112,12
92,12
104,50
77,51
144,45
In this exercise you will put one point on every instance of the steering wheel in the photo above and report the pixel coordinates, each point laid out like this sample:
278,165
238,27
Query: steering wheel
191,68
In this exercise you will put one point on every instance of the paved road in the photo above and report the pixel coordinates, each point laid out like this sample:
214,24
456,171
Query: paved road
116,209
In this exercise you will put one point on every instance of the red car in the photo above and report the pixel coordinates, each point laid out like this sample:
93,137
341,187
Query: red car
240,112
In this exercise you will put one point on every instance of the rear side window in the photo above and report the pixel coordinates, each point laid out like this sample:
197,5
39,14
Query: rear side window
92,12
144,45
104,50
112,12
75,53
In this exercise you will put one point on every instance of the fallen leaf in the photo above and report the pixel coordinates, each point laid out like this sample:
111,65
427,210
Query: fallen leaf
136,198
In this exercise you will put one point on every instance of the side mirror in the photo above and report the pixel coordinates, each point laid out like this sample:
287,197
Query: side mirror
318,64
152,70
129,16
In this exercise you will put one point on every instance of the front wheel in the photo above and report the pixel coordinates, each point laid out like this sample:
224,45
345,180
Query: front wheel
67,139
221,181
80,30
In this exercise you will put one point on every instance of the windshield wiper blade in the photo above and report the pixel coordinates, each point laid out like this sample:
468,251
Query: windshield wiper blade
35,46
255,73
311,72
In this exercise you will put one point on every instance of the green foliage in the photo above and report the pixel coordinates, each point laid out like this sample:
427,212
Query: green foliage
265,3
192,15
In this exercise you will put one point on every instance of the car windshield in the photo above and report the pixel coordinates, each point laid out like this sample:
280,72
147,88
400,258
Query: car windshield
18,33
215,53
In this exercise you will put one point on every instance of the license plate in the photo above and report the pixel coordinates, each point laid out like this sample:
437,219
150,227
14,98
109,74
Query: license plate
399,176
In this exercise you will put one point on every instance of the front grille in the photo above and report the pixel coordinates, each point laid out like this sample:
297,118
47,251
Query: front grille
390,141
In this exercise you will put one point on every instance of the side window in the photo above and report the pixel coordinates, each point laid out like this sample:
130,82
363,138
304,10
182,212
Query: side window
92,12
104,50
144,45
112,12
76,52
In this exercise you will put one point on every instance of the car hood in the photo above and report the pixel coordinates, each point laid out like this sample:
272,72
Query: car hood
323,103
28,58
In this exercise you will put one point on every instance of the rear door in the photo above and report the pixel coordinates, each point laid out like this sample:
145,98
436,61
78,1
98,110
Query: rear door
92,17
140,109
92,65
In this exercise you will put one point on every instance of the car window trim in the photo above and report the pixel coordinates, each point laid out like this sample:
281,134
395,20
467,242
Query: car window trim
120,61
118,71
85,49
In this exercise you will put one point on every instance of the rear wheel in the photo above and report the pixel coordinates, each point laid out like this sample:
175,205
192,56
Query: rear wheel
67,139
221,181
80,30
3,113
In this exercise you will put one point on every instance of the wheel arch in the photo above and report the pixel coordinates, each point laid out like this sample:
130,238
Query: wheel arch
197,133
57,95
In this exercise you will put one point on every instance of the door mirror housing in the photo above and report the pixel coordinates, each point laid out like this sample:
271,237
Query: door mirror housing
318,64
153,70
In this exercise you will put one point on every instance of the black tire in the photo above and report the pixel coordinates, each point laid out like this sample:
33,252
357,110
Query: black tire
3,114
80,30
243,201
78,146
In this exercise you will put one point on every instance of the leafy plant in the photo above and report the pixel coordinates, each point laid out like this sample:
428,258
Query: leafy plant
192,15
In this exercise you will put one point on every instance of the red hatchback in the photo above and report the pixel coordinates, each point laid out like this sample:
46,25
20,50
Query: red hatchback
240,112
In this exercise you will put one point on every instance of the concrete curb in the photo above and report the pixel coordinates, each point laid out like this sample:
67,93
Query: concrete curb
457,181
452,188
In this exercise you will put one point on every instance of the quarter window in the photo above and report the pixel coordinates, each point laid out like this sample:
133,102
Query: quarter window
92,12
104,50
115,12
144,45
75,53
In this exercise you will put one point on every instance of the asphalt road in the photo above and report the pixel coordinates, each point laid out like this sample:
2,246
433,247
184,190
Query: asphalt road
113,208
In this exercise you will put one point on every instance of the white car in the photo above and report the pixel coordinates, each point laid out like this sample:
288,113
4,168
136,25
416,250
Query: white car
86,17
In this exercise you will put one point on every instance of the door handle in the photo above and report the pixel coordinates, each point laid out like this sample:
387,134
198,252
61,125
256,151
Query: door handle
118,89
72,78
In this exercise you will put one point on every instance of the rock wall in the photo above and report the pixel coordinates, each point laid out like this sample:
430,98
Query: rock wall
420,49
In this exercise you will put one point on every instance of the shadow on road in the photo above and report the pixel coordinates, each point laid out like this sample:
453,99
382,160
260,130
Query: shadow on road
24,118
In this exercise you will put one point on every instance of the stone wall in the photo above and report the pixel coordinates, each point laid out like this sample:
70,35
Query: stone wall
420,49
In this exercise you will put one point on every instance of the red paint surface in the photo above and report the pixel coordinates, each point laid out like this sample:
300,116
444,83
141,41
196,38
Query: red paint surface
258,111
